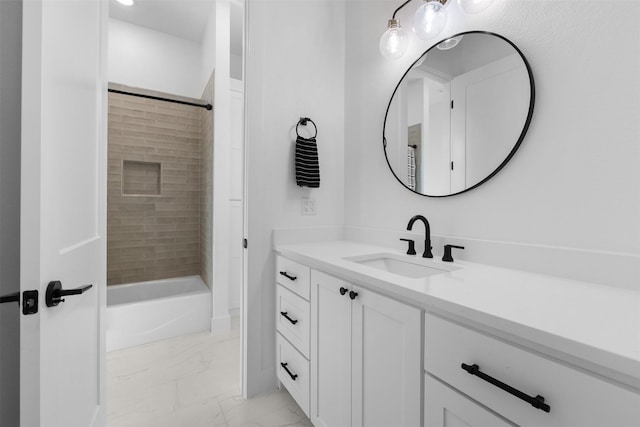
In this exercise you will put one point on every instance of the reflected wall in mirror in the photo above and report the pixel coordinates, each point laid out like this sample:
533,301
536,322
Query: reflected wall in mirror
458,114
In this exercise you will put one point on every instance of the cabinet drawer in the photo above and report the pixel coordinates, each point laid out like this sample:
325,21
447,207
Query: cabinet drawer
575,398
296,379
293,319
293,276
446,407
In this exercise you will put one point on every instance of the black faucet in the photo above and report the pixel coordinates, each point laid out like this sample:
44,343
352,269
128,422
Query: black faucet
427,240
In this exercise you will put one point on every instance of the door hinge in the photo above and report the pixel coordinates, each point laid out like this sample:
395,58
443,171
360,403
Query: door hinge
30,302
245,243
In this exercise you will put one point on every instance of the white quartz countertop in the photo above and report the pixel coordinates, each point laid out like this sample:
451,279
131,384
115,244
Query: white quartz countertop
596,324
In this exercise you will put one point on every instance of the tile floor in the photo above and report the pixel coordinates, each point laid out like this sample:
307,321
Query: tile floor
190,381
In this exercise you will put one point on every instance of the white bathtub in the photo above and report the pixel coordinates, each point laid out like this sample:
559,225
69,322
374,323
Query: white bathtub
143,312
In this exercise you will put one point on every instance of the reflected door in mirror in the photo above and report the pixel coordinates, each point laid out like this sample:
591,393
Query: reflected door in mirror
458,115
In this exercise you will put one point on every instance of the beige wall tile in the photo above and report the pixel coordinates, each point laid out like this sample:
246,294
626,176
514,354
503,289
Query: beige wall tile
154,236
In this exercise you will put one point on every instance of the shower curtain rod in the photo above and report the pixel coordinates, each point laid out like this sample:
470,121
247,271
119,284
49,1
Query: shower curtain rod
157,98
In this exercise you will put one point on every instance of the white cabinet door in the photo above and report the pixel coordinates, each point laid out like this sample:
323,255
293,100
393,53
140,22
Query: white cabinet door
386,362
444,407
63,213
330,352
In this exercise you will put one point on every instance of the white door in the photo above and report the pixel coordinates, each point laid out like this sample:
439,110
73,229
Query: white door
386,362
330,351
235,192
63,212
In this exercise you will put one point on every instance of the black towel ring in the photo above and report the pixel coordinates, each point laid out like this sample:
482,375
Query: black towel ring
303,121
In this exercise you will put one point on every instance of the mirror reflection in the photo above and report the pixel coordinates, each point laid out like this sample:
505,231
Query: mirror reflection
458,114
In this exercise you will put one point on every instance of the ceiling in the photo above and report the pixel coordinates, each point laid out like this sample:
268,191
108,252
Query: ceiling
181,18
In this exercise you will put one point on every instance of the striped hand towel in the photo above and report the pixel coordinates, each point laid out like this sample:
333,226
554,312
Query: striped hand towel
307,166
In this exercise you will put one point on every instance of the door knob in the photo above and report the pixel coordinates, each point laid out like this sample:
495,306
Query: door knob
353,294
343,290
54,293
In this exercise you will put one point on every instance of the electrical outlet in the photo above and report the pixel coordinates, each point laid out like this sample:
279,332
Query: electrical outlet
308,206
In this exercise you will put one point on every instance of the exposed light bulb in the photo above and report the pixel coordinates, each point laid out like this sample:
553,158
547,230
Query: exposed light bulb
394,41
474,6
430,19
126,2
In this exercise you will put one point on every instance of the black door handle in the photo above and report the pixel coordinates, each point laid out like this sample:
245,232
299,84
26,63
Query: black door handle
537,402
292,375
286,316
54,293
343,290
284,273
13,297
353,294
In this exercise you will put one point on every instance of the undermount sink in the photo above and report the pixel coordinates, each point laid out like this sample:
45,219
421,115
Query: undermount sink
414,268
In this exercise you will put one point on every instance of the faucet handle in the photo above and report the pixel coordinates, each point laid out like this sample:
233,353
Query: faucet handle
412,246
447,252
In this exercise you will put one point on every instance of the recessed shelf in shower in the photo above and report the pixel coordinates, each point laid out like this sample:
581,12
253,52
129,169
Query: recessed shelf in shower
141,178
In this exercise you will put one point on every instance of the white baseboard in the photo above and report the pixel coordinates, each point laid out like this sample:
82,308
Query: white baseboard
220,325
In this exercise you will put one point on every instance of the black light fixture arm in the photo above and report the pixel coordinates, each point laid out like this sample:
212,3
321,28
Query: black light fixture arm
401,6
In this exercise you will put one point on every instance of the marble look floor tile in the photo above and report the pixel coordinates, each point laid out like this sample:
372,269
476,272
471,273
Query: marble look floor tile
219,379
190,381
269,410
134,407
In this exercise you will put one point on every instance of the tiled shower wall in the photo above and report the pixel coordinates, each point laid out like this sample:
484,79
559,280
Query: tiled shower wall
206,193
153,229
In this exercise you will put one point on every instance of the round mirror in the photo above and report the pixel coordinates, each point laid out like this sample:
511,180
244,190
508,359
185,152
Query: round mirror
458,114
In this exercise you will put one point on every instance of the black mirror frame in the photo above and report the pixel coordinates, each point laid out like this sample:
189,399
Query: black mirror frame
518,142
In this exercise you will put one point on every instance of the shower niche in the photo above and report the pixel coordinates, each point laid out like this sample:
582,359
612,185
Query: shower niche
141,178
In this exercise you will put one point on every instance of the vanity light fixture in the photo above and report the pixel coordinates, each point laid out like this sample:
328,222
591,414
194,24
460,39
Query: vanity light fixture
428,21
449,43
394,41
126,2
474,6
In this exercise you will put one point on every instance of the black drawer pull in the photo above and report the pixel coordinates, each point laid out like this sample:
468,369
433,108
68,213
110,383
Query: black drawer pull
293,376
353,294
343,290
284,273
536,402
286,316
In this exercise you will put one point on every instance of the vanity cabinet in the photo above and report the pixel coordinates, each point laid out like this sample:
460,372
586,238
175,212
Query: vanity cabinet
365,357
452,394
293,328
445,407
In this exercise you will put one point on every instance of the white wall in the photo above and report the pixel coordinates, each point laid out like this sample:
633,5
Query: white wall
10,95
208,50
295,67
149,59
572,189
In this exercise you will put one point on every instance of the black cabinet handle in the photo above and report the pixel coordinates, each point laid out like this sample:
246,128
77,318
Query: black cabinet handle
14,297
286,316
293,376
536,402
343,290
54,293
353,295
284,273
